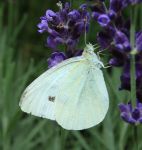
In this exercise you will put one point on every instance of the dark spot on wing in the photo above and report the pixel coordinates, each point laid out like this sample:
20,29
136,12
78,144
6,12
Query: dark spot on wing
51,98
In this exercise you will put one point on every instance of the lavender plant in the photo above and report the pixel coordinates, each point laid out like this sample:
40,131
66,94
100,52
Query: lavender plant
124,43
18,37
119,36
64,28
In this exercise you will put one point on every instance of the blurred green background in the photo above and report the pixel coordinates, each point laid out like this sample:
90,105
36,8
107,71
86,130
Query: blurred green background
23,57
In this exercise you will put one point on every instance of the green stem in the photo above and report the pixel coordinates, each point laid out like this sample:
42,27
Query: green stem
133,67
133,81
63,134
136,137
132,61
71,2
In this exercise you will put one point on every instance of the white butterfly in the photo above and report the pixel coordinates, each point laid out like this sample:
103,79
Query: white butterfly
73,93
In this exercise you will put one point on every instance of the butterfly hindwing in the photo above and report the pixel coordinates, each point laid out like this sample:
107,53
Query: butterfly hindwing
85,103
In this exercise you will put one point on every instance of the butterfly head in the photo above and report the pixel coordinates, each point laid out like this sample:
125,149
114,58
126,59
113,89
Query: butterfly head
91,56
89,48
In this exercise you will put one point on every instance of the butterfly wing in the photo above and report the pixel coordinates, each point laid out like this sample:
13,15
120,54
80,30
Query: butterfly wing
83,101
38,98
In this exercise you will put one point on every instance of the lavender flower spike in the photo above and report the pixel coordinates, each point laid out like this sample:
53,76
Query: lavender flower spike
131,115
65,26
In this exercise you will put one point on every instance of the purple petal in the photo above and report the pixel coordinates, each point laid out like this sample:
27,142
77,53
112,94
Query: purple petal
51,42
136,114
74,15
123,108
139,41
121,38
132,121
43,26
139,104
112,14
50,15
55,59
130,107
53,32
71,42
67,6
126,117
117,5
95,15
125,77
140,120
83,6
103,20
116,62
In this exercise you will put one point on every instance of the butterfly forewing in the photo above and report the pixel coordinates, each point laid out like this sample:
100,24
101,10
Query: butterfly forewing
40,96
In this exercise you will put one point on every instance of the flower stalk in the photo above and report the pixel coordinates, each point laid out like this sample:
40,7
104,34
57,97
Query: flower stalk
136,137
133,81
132,60
133,67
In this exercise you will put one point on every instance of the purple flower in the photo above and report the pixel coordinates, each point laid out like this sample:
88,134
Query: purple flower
104,39
97,9
65,26
122,42
117,43
115,37
74,14
103,20
117,62
51,15
117,5
131,115
43,26
56,58
125,78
